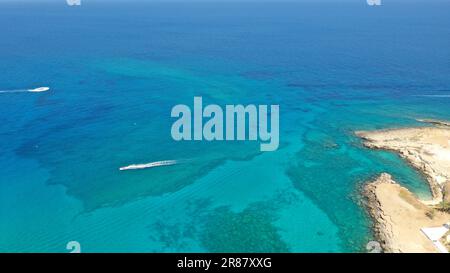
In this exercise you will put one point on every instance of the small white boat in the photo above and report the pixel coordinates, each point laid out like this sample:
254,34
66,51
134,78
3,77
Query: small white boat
39,89
148,165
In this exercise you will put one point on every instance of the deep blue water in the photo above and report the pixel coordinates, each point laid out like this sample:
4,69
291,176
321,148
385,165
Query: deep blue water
116,69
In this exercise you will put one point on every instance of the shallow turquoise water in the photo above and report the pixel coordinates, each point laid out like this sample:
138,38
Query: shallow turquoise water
117,70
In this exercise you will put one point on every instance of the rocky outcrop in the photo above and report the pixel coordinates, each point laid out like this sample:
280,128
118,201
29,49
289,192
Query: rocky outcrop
382,227
446,190
426,149
435,122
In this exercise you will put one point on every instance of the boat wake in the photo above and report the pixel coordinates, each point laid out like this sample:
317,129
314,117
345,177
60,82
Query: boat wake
149,165
433,96
34,90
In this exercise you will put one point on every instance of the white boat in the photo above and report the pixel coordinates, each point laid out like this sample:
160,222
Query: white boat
148,165
39,89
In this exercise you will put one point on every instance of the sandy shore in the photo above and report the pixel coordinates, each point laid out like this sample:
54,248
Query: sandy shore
398,215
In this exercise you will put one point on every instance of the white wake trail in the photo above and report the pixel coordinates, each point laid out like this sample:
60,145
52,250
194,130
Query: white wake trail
14,91
34,90
149,165
433,96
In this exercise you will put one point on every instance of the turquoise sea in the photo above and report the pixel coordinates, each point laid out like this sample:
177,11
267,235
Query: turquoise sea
116,68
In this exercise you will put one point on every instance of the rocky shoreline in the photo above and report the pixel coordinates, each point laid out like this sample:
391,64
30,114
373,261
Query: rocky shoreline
397,214
399,217
382,228
427,149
